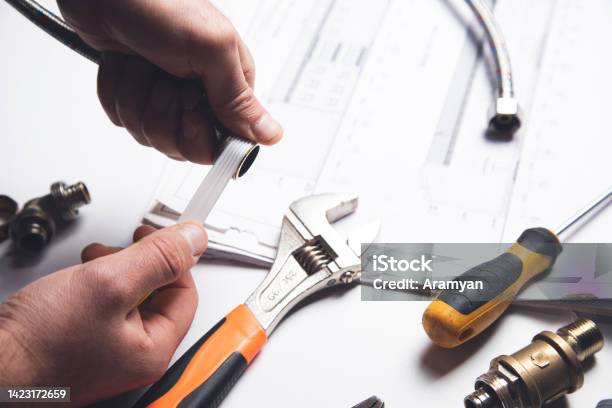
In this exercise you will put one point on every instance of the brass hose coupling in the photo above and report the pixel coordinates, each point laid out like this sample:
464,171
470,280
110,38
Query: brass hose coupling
33,227
545,370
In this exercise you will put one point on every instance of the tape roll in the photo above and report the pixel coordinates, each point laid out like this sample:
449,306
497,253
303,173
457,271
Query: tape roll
237,156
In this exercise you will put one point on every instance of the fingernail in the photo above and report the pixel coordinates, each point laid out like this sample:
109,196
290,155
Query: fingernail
267,130
195,234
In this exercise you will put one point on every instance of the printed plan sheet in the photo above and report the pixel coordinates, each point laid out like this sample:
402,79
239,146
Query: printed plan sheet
390,99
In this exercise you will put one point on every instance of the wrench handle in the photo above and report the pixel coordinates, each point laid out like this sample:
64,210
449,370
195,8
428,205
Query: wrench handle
205,374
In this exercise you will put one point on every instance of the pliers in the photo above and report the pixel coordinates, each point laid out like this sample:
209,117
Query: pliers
311,256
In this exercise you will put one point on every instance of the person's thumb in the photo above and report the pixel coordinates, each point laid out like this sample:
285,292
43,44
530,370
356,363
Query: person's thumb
155,261
229,92
241,112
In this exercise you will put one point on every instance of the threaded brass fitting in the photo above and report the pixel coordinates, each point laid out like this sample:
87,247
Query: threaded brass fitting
33,227
544,371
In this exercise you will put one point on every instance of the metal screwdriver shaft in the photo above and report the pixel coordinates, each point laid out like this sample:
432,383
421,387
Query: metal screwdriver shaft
592,208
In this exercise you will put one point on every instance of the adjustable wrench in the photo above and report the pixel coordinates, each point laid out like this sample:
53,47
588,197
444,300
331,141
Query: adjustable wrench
311,256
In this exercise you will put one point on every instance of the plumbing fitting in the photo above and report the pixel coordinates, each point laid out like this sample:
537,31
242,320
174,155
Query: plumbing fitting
8,209
33,227
506,116
544,371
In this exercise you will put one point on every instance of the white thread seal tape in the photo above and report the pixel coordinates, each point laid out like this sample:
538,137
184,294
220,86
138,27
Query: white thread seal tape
236,157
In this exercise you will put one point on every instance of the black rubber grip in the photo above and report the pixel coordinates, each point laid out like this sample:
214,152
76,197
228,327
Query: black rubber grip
213,391
496,275
542,241
172,375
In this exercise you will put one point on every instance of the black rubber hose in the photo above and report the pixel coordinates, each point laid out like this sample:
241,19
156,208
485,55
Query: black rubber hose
54,26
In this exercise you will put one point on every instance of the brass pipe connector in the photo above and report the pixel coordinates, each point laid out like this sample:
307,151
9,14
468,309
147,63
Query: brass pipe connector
545,370
33,227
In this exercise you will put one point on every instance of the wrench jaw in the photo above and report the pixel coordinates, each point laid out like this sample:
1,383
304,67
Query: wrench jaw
311,256
319,211
313,217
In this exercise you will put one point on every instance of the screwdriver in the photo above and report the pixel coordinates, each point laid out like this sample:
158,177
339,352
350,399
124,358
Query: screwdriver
455,317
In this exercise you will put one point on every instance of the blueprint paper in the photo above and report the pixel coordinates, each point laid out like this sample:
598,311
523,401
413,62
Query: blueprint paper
363,89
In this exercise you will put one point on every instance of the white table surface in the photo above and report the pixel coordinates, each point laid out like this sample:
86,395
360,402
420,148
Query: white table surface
331,353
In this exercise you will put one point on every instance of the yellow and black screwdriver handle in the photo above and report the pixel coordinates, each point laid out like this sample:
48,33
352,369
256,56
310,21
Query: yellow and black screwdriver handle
455,317
204,375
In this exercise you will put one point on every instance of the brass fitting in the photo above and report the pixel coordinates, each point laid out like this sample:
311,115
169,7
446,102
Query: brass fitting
33,227
544,371
506,118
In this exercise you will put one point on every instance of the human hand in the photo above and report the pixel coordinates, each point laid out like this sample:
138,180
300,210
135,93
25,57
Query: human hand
147,45
85,327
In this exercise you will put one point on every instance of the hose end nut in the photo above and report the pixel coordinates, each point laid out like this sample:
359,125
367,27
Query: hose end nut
506,118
